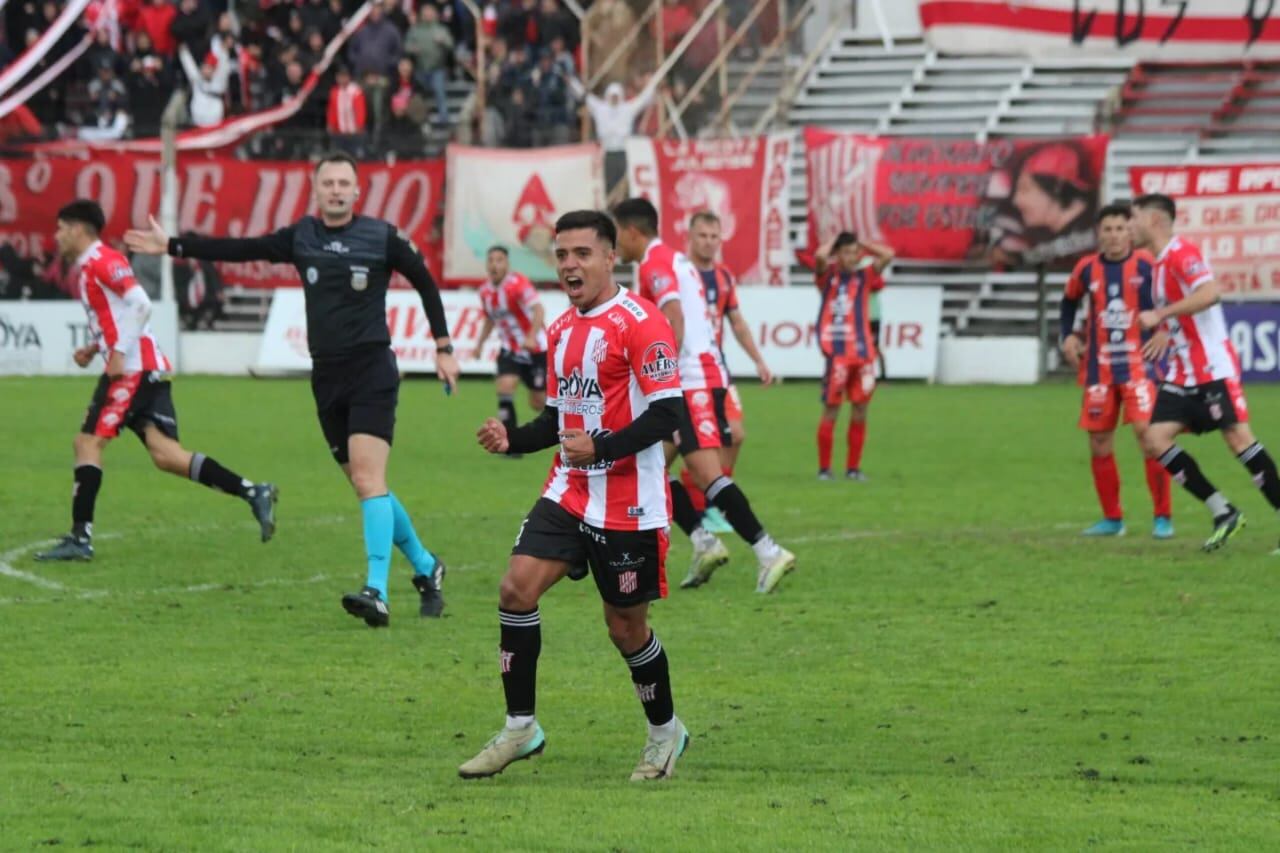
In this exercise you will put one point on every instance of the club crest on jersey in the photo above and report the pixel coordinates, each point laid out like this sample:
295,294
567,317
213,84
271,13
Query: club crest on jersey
599,350
659,363
313,275
359,278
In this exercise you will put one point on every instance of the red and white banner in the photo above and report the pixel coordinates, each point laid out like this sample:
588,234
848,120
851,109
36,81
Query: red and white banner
781,321
220,197
1233,213
743,181
1012,202
1175,30
512,197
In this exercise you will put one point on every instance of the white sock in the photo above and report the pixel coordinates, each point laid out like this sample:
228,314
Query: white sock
766,549
1217,504
666,730
702,539
519,722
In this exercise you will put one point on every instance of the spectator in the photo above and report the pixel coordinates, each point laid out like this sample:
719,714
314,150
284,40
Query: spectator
376,48
609,25
337,14
142,49
407,84
255,81
515,121
552,116
107,94
563,58
614,118
430,44
316,15
347,116
392,12
312,50
208,84
404,136
513,23
677,19
155,19
49,105
295,33
101,52
148,95
191,26
554,22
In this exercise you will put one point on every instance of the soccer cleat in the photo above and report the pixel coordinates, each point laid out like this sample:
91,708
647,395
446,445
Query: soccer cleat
1106,527
705,562
69,547
1162,527
367,604
772,573
262,500
855,475
504,748
715,522
824,474
658,760
428,587
1224,527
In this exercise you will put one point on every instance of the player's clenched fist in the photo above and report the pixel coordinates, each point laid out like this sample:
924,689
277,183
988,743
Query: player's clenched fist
492,436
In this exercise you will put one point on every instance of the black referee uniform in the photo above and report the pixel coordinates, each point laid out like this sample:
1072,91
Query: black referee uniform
345,272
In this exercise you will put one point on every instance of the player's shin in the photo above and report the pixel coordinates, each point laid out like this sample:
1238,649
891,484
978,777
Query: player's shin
379,525
691,489
1184,470
649,674
518,648
88,480
1158,484
207,472
1106,482
406,539
687,518
857,437
1263,469
507,410
725,495
826,437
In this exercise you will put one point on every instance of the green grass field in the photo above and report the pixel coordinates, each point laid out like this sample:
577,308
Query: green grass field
951,666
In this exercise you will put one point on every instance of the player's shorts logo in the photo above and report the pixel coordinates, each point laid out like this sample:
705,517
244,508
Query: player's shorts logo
359,278
120,395
659,363
627,582
700,398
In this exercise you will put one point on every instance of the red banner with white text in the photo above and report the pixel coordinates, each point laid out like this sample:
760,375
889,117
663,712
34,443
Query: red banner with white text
1012,202
219,197
1174,30
743,181
1233,213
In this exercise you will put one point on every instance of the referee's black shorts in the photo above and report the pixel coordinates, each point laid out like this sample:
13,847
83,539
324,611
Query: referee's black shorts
357,394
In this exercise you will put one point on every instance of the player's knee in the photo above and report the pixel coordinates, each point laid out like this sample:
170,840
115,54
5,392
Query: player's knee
626,632
512,595
739,433
367,484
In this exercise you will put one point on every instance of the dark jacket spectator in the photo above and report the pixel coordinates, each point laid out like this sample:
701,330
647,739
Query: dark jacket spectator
403,135
316,15
148,94
376,47
555,22
191,26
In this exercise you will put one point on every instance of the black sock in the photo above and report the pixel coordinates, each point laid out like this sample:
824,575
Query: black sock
209,473
652,680
687,518
88,479
518,648
1184,470
725,495
1263,468
507,411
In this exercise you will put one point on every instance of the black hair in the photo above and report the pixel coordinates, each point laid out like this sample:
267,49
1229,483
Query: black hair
497,247
638,213
1116,208
1159,201
85,212
844,238
338,157
596,220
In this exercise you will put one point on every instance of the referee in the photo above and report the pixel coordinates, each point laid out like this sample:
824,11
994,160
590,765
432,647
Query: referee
345,262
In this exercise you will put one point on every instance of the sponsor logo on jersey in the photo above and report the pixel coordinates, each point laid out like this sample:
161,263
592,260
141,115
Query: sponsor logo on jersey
119,271
575,385
630,305
336,247
1116,316
659,363
635,512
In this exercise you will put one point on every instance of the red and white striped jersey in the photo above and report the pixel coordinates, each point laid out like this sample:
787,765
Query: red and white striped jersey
1202,350
510,307
604,368
666,274
347,112
118,310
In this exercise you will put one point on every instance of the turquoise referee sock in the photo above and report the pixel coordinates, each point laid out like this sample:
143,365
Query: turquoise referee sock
406,539
379,525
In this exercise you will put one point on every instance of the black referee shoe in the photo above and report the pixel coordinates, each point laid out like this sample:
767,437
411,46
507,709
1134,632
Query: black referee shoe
367,604
428,587
262,499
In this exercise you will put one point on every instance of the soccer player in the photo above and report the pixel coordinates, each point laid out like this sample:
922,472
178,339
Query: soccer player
1201,391
847,273
345,262
511,305
133,390
1115,370
613,367
722,298
668,279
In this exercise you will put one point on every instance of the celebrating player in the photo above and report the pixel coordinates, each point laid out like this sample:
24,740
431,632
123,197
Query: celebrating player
671,282
847,273
722,298
133,390
511,305
1115,370
612,363
1201,391
345,262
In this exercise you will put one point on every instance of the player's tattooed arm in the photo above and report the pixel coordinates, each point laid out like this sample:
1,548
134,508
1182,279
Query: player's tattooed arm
538,434
656,423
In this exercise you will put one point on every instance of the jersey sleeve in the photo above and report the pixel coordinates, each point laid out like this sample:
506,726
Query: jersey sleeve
1191,268
115,275
654,357
276,247
525,294
553,381
404,258
730,292
1075,282
658,283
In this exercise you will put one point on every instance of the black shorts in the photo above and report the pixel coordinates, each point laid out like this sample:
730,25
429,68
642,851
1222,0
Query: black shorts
530,367
704,422
1201,408
629,565
132,401
357,395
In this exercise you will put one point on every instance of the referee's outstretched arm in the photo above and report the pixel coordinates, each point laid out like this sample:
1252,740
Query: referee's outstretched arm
276,247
